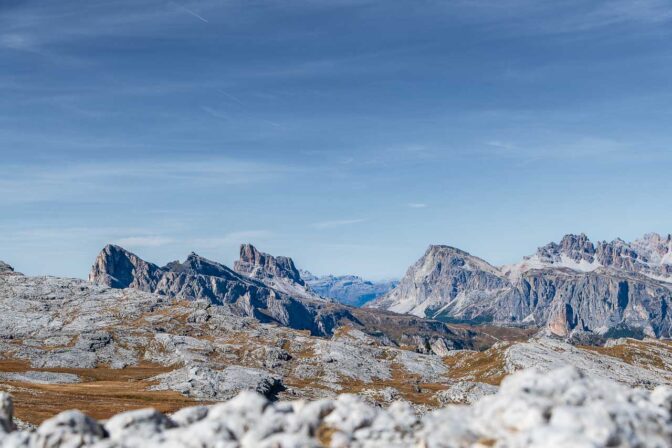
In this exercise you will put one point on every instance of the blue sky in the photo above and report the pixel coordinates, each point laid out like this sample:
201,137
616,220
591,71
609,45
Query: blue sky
348,134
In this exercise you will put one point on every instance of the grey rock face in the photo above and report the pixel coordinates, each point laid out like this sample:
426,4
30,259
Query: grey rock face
6,413
612,289
650,255
606,302
447,282
261,265
137,425
5,268
465,392
348,289
278,273
41,377
205,383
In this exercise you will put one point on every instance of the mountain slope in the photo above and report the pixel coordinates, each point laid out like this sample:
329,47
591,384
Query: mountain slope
445,281
348,289
570,287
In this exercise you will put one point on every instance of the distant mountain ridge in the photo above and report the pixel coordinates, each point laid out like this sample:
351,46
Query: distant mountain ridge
200,278
569,287
348,289
650,255
269,289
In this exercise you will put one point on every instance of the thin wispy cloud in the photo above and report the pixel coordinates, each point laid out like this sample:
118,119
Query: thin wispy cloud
584,147
193,13
551,17
77,181
337,223
417,205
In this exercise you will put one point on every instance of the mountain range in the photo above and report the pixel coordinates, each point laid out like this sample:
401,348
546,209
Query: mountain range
269,289
139,334
348,289
569,288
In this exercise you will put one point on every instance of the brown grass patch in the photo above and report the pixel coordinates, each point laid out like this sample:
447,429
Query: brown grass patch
483,367
324,435
633,352
102,393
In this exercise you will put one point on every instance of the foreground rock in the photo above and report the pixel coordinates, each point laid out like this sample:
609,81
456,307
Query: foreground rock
564,408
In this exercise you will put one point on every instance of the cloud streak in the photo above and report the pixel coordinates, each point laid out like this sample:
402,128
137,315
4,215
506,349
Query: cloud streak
337,223
77,181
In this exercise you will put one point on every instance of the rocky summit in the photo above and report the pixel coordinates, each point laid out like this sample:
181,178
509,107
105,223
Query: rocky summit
571,288
279,273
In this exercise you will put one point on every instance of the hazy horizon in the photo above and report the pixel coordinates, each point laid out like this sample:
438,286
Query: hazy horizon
349,135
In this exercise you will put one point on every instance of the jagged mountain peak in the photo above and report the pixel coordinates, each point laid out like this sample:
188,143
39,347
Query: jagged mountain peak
196,264
650,255
118,268
257,264
449,255
441,278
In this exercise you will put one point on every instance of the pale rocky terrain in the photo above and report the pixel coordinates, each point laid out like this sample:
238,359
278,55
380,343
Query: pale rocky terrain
67,338
573,288
178,337
563,408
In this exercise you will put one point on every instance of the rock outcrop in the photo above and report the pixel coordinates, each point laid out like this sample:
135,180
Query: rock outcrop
612,289
261,265
279,273
562,408
348,289
5,268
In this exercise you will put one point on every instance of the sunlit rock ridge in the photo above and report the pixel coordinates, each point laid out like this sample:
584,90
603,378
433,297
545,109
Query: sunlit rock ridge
571,287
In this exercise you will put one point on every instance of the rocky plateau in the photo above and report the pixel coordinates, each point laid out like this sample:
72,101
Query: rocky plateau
314,372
